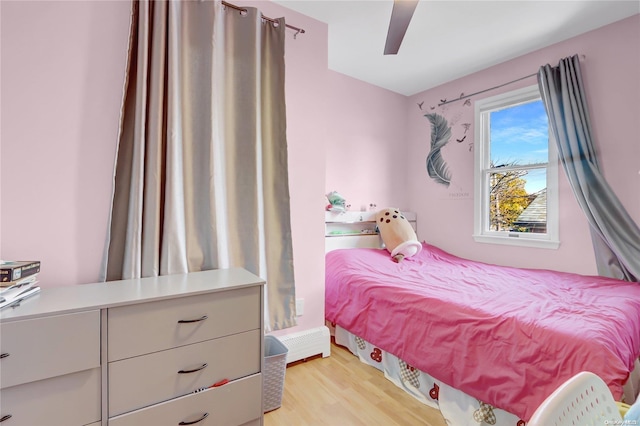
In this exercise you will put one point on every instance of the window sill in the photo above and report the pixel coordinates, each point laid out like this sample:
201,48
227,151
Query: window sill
517,241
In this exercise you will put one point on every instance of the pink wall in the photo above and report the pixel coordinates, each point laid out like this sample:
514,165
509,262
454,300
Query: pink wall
366,143
62,76
1,131
62,73
610,73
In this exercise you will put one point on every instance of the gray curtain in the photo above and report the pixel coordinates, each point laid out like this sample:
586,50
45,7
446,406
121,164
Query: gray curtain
201,175
615,236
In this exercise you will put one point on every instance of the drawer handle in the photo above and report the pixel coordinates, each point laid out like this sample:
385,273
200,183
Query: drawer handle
202,318
195,421
4,355
7,417
202,367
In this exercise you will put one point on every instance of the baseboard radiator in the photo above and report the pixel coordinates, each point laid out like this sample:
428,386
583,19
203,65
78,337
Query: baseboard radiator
307,343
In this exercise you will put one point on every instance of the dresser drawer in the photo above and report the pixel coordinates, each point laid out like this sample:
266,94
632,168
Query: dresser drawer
137,382
139,329
233,404
41,348
69,400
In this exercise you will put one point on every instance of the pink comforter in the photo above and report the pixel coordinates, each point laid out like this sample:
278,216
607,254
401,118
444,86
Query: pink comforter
506,336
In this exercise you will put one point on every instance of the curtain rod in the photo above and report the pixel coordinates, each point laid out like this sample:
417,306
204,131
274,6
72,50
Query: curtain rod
582,57
242,9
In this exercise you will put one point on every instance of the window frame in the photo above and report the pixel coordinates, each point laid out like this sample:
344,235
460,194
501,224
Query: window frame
482,233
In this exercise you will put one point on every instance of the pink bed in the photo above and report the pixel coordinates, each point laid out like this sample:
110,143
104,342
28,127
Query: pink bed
505,336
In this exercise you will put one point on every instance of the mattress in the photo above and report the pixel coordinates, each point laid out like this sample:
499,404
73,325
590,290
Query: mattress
506,336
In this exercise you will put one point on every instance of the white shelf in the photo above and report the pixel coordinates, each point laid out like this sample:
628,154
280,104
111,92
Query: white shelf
356,224
349,217
354,234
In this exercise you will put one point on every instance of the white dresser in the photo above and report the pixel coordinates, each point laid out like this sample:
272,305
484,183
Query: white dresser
132,353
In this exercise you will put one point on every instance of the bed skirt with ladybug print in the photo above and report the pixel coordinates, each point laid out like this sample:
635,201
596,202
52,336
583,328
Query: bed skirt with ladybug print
456,407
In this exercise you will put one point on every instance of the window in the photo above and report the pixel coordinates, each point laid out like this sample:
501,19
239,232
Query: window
516,178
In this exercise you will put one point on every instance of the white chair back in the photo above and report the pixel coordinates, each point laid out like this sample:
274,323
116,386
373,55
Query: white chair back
583,400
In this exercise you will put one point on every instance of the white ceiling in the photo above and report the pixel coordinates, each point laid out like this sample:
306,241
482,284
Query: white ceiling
449,39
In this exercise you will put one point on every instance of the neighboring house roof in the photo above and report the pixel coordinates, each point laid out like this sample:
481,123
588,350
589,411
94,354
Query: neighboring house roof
536,211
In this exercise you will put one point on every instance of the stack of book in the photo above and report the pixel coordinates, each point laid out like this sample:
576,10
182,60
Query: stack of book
18,281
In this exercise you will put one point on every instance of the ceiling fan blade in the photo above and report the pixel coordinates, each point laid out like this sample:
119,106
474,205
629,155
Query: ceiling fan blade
400,18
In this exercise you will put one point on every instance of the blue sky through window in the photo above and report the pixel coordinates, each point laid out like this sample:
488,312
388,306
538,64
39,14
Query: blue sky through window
520,136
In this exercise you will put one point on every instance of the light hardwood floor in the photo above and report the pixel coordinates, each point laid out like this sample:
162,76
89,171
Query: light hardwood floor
343,391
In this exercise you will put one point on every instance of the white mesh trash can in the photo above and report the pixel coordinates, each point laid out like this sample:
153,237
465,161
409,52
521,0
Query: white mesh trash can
275,365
